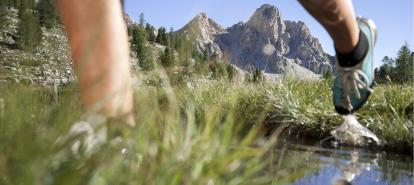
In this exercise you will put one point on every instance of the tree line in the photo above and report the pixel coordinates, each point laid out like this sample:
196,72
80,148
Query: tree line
397,70
180,55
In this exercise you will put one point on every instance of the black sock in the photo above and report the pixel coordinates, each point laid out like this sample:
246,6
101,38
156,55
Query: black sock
356,55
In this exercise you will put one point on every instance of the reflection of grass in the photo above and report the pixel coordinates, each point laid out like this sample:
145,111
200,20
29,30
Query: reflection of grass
199,135
388,169
288,166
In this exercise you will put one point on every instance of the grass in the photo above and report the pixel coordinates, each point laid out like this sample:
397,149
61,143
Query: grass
200,132
306,110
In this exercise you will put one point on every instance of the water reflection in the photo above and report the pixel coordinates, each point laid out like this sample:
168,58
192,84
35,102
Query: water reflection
314,165
353,168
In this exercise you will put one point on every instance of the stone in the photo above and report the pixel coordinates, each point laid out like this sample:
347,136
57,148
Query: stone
16,80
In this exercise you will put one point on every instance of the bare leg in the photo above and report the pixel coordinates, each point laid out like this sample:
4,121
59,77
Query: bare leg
338,18
98,39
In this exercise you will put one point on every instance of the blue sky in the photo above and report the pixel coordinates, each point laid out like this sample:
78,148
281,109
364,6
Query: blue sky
394,18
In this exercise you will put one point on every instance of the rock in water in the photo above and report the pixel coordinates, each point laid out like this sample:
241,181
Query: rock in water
352,133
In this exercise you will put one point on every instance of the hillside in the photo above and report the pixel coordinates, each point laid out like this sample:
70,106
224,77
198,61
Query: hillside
49,63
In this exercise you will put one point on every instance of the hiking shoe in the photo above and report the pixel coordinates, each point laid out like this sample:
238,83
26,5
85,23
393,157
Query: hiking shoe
353,85
87,137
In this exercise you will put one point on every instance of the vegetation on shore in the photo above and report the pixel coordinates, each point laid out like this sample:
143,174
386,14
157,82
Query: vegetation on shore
399,69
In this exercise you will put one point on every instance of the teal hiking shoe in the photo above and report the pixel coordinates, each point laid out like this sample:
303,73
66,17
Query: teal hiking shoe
353,85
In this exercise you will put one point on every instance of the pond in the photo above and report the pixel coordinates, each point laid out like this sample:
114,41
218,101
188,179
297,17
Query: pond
316,165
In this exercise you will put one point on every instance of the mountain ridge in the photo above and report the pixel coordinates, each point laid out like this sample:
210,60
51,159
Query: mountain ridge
244,42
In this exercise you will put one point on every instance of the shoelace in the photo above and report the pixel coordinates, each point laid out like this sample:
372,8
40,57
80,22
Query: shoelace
353,80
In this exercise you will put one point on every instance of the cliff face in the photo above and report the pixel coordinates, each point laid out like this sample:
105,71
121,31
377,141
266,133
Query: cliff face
306,48
266,42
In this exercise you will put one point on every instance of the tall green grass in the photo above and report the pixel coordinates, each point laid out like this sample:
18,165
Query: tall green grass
199,132
306,110
178,140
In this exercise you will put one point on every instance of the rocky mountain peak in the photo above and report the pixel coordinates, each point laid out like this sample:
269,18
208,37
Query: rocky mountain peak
268,11
202,15
203,31
128,20
265,42
201,25
268,20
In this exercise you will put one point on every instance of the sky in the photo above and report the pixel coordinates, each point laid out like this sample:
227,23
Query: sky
394,18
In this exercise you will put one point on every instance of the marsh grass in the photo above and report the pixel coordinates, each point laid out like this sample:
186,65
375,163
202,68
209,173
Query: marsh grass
199,132
306,110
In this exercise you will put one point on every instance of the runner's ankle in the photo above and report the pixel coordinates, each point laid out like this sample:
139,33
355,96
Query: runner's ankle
357,55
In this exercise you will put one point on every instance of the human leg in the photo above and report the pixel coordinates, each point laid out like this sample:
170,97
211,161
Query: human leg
338,18
98,40
354,40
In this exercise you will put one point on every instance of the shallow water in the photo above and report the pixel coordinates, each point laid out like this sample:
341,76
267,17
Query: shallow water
315,165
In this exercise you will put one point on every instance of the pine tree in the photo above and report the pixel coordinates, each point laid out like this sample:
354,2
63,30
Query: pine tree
3,18
206,56
3,13
13,3
218,70
3,3
231,72
141,20
162,37
382,74
167,58
29,31
150,32
258,75
138,42
48,14
404,64
410,71
171,38
25,4
388,61
376,75
178,41
387,69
